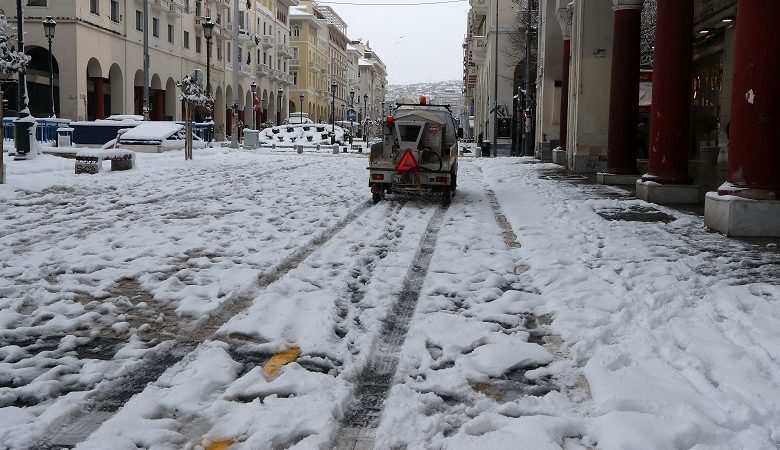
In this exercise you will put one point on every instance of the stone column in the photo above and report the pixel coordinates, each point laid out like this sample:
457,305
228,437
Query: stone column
99,99
671,110
228,121
748,204
623,94
159,104
564,15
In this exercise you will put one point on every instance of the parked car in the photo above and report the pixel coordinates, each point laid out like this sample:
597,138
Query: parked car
297,118
156,137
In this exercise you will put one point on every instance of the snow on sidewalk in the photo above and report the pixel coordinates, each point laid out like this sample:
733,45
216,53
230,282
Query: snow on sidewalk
98,270
678,342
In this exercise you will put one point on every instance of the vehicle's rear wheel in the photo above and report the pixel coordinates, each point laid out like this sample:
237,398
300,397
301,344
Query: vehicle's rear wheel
446,196
376,197
454,184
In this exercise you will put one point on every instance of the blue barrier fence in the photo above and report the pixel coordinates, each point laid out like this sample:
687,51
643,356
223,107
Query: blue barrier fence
45,130
201,129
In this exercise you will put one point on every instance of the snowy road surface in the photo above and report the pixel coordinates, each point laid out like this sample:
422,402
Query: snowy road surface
142,309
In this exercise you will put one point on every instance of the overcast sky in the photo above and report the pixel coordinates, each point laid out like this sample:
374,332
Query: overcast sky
417,43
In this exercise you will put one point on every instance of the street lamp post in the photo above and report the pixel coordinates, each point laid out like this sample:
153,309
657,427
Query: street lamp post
365,118
333,87
352,107
48,27
22,124
279,111
208,33
382,115
300,97
254,105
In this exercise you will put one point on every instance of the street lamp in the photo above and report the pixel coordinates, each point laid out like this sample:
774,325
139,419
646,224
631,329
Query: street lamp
365,118
48,27
352,108
279,112
253,86
21,126
300,97
208,33
333,87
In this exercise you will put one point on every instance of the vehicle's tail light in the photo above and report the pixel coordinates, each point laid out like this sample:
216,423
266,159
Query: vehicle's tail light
377,176
441,179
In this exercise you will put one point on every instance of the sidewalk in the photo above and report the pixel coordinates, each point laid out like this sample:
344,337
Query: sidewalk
673,326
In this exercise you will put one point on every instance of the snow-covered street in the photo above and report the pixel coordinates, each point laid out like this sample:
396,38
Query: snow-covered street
259,300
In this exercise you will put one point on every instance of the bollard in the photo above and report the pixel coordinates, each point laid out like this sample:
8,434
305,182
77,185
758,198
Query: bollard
273,146
318,146
336,149
344,150
299,149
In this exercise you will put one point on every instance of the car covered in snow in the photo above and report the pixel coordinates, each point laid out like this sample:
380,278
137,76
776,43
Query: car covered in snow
418,152
298,118
156,137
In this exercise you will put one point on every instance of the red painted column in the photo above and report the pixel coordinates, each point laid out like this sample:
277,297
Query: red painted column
564,117
159,104
754,159
671,110
99,99
624,88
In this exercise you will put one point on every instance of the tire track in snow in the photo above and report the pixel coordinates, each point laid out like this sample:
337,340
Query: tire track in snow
111,396
373,384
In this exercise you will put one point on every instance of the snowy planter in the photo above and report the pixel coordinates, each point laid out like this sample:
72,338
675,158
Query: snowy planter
321,129
274,131
281,138
306,128
324,135
309,138
290,129
293,139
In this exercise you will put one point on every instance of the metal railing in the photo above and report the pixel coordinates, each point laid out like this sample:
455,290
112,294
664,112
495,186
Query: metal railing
45,130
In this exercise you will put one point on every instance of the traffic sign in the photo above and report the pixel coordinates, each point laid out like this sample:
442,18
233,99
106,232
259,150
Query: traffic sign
351,115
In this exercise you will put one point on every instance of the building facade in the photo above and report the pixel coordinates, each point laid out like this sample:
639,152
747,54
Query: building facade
491,69
707,137
98,52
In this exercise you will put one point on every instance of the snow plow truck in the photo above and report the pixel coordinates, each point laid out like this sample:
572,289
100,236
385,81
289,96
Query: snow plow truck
418,153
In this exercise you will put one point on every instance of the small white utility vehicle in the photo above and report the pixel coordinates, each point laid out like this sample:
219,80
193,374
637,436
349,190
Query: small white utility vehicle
418,153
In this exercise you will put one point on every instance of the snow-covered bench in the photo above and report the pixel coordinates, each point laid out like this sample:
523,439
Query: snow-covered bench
91,161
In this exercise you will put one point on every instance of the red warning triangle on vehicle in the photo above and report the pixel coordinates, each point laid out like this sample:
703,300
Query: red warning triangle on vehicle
407,162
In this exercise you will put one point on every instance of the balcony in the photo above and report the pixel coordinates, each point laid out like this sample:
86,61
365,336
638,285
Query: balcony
221,4
276,74
285,51
286,78
175,9
263,70
246,69
479,47
267,41
246,38
295,63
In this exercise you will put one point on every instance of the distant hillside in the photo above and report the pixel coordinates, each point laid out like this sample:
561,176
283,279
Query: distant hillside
440,92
